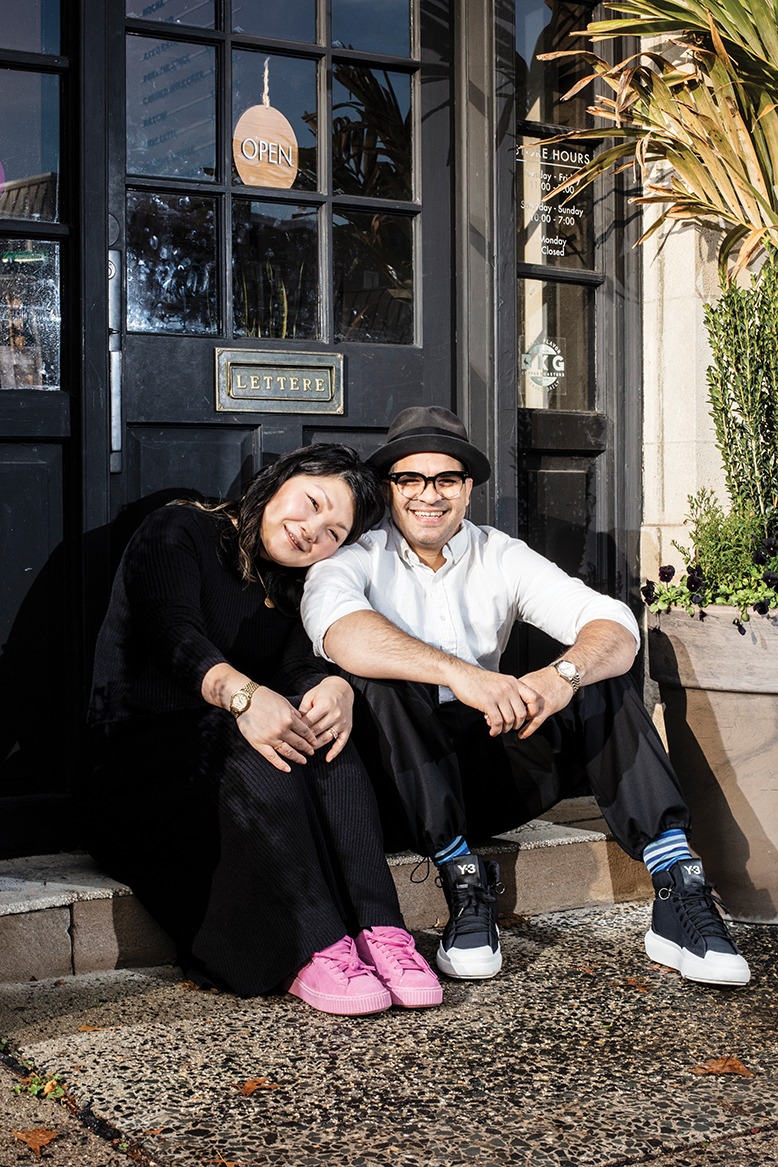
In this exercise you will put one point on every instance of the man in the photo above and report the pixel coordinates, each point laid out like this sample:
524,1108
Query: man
417,615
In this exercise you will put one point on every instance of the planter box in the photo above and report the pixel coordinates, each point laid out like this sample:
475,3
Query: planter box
720,692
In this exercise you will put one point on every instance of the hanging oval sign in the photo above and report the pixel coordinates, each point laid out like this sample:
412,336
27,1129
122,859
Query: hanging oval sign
264,148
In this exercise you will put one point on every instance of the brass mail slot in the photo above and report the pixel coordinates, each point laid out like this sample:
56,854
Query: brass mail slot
251,381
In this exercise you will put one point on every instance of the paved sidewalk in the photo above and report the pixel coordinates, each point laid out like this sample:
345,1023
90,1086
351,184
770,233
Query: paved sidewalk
580,1054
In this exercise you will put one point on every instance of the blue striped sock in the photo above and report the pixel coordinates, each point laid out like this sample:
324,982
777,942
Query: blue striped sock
455,848
666,850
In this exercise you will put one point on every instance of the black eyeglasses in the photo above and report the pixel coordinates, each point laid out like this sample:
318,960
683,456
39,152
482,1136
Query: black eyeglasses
447,484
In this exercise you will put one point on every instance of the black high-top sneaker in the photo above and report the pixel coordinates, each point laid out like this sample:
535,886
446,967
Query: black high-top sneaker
687,933
470,947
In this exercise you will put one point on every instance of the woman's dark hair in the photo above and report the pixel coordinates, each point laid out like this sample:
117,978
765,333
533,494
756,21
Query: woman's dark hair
323,459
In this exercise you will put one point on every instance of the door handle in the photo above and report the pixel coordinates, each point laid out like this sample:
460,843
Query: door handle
115,358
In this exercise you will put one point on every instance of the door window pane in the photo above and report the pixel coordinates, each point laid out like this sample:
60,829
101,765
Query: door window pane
171,264
371,132
29,145
374,28
32,27
171,108
545,27
290,83
275,270
556,345
293,20
373,273
198,13
555,233
29,314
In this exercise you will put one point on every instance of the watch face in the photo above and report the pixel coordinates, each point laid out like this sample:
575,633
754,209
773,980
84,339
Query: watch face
239,703
566,669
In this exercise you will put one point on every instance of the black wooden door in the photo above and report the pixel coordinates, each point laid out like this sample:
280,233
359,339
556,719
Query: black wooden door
578,326
214,263
136,254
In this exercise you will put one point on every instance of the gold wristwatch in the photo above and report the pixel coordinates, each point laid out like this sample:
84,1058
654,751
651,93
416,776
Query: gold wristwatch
240,701
567,669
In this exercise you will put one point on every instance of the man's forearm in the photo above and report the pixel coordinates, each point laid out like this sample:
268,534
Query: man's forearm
602,649
369,645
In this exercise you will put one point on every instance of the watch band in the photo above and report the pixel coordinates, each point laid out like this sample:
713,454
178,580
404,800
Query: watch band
240,701
569,672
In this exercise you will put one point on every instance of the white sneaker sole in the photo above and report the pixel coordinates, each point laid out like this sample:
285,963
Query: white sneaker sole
469,964
715,968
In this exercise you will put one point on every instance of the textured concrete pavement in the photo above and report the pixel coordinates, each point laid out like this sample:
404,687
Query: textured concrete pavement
580,1054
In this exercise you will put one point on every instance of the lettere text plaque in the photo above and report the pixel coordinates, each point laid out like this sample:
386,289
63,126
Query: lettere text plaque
253,381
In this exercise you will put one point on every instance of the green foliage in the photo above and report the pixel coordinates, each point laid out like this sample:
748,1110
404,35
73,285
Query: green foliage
730,561
742,378
41,1086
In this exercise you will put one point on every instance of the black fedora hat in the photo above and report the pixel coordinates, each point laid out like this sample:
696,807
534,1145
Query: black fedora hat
424,429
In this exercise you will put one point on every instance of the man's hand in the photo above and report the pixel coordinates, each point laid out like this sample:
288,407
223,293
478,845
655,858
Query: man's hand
497,695
327,709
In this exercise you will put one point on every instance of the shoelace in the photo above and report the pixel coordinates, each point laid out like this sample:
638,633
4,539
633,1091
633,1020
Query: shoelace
473,911
700,908
406,956
349,963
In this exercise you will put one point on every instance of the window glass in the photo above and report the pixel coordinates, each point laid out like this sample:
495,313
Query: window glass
275,270
373,274
293,20
371,132
171,108
556,233
171,264
373,28
29,314
556,345
198,13
545,26
290,86
32,27
29,145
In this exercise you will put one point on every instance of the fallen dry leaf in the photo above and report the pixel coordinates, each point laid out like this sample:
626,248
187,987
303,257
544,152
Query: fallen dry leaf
36,1139
587,968
251,1084
226,1162
728,1065
636,983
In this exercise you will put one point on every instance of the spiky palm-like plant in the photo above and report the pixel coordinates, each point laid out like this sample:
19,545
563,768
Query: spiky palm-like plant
699,117
696,111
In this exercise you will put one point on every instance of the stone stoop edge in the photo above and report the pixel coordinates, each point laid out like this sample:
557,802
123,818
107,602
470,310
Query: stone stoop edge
61,916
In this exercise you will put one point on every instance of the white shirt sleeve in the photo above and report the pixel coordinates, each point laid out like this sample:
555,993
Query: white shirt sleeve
557,603
334,588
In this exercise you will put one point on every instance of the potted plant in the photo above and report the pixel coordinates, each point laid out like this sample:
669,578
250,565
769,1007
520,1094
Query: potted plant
695,110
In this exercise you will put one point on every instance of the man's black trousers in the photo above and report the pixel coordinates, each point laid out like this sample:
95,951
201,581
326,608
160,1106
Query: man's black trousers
438,774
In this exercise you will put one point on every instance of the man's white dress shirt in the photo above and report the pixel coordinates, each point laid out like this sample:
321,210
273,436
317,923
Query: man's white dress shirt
467,607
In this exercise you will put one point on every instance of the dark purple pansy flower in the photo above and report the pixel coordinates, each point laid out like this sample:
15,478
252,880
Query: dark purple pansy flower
771,579
740,627
762,607
648,592
666,573
694,579
760,558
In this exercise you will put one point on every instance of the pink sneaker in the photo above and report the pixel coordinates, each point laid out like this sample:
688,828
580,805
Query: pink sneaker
404,971
336,981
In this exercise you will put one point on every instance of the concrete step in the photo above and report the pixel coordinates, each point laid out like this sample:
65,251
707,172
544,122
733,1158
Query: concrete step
60,915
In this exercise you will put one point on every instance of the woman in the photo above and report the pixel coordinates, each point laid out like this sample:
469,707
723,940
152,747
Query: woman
241,818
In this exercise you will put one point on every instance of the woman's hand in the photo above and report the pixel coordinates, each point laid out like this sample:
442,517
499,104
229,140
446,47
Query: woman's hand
277,730
327,709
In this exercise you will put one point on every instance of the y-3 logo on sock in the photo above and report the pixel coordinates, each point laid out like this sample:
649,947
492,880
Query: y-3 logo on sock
466,868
